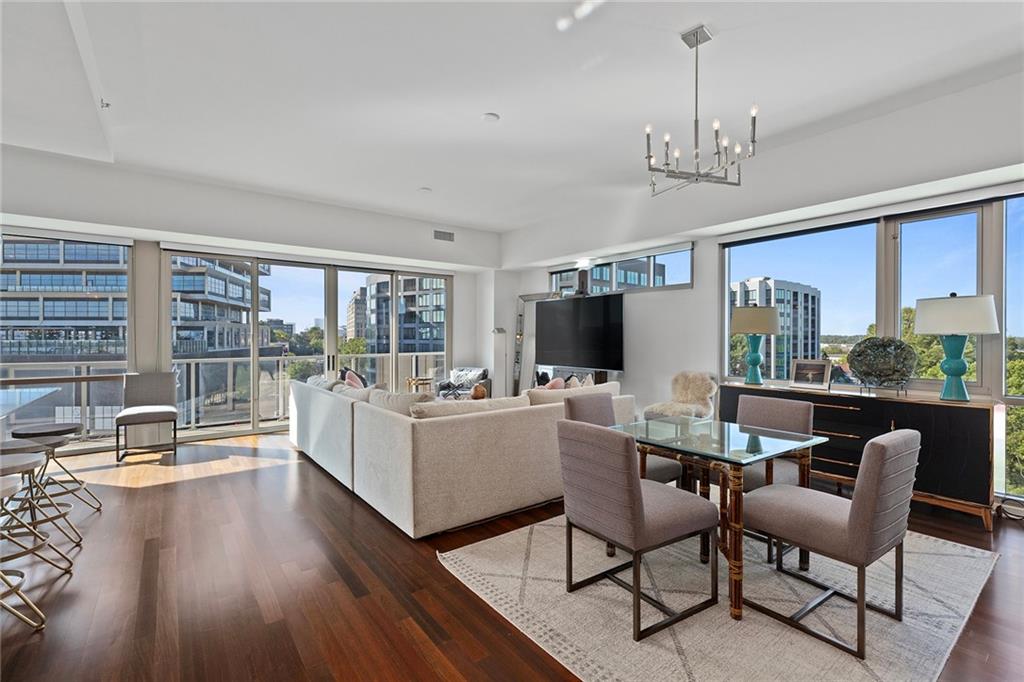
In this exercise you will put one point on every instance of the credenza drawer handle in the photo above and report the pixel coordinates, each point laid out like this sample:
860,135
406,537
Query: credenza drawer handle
837,435
837,407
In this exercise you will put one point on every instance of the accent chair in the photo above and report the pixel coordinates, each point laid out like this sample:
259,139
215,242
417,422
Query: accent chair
148,399
605,497
858,531
598,409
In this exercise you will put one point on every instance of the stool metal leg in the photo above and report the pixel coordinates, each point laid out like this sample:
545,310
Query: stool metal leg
75,486
12,582
37,492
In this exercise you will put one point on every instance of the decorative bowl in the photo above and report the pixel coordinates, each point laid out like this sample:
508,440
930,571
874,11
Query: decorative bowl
882,361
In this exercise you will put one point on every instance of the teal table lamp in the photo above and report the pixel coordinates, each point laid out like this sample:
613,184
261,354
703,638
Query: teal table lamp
754,322
953,318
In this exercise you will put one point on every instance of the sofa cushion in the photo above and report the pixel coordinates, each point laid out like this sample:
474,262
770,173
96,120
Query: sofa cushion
397,402
317,380
447,408
360,394
545,396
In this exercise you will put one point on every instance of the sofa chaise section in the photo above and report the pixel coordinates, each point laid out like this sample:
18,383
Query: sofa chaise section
320,425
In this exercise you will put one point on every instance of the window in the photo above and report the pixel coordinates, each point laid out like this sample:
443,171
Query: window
31,251
71,309
216,286
8,281
20,308
120,309
1014,350
52,281
102,281
673,268
188,283
79,252
808,278
234,291
930,267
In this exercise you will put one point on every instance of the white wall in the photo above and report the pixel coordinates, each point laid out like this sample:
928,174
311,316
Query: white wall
464,319
159,207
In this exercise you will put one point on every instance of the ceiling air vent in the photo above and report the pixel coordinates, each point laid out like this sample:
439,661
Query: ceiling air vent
444,236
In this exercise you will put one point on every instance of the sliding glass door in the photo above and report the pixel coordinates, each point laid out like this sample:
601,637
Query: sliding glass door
292,324
421,325
364,325
211,339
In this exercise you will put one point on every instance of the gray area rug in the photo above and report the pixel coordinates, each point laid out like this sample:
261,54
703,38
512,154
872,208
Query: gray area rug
522,575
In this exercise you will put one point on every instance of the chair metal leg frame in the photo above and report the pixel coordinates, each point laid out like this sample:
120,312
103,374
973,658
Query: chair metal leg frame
860,600
12,582
41,543
635,563
71,485
117,440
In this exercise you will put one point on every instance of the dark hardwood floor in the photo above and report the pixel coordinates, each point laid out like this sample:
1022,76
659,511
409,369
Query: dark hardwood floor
243,560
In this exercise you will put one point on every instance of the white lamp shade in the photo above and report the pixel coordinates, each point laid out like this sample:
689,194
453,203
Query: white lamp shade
755,320
956,315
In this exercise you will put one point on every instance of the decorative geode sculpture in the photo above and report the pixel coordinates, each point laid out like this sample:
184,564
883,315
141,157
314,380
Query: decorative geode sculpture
882,361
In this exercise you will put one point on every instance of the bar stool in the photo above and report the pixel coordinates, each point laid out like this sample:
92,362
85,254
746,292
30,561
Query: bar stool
28,459
26,539
48,434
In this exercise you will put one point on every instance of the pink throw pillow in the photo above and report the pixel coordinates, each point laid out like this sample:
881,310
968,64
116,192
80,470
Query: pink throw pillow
556,383
351,379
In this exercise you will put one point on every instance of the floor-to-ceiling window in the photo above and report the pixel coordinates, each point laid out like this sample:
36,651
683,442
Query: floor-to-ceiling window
364,325
64,315
294,324
212,337
1013,321
420,325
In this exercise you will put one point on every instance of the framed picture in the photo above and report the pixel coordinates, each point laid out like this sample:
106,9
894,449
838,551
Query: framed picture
811,374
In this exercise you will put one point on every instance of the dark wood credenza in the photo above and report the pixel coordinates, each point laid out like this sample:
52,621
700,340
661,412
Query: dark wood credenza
955,465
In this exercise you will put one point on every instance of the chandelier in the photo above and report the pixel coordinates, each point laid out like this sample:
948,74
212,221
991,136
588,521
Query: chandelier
719,172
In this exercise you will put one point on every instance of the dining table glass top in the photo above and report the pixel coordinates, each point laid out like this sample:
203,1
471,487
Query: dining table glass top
717,440
12,399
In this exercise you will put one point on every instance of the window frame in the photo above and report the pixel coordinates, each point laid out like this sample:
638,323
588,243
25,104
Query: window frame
612,263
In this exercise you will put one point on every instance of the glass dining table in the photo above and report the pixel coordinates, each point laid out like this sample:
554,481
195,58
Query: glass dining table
727,449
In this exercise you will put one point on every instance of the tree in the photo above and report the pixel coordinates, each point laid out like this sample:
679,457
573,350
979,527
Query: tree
303,369
355,346
309,342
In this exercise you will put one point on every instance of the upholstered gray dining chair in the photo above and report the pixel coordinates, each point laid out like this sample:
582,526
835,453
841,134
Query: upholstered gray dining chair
599,409
605,497
794,416
857,532
148,399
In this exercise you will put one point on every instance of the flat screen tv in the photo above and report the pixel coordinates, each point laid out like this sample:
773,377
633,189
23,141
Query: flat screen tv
581,332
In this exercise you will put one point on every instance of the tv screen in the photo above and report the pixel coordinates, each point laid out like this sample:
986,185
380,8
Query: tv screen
581,332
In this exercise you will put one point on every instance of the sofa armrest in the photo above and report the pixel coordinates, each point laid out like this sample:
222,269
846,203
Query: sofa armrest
383,463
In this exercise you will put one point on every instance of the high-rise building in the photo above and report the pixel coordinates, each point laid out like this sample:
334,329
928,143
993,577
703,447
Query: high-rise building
318,322
628,274
276,324
355,318
421,311
799,319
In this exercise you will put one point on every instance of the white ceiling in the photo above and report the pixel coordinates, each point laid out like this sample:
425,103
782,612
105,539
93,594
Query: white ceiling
360,104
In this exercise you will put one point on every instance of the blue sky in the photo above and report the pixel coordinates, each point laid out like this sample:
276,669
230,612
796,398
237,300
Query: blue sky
297,293
939,256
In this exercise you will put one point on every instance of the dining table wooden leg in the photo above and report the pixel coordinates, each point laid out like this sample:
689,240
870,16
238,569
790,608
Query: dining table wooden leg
804,462
705,492
736,541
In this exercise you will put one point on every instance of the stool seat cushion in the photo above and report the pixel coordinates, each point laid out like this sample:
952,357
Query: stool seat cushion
817,521
17,464
52,429
20,445
146,414
671,513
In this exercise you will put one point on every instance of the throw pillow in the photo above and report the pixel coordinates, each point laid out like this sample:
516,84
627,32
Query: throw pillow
556,383
354,380
346,369
449,408
547,396
317,380
397,402
588,380
573,382
478,392
360,394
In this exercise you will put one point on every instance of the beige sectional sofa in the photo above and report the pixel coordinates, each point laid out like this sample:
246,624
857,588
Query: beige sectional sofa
433,474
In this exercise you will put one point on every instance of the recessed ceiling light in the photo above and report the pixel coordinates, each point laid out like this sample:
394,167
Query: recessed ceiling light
425,190
491,117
